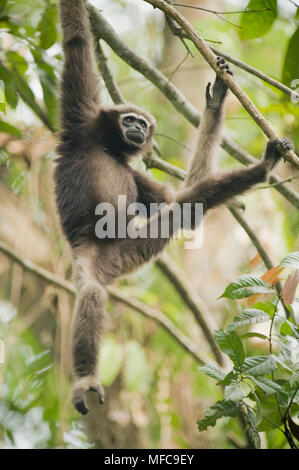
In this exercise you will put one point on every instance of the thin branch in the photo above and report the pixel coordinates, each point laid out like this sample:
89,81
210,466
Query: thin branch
107,76
154,162
191,299
274,185
215,12
242,65
115,294
163,321
160,134
179,32
102,29
262,252
208,55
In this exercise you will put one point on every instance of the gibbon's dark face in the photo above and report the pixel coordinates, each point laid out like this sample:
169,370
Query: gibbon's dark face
135,128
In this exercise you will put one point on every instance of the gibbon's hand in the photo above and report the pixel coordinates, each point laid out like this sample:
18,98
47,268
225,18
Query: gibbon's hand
274,151
219,87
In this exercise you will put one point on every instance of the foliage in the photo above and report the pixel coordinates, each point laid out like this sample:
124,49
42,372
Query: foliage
263,387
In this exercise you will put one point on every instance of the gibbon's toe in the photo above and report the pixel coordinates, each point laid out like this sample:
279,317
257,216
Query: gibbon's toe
81,387
100,392
82,407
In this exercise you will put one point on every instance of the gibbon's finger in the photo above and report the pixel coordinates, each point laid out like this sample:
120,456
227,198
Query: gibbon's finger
224,66
208,95
220,60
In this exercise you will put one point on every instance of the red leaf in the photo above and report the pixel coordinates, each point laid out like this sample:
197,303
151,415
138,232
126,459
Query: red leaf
289,289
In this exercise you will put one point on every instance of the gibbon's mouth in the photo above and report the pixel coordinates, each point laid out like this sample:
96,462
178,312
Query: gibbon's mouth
135,136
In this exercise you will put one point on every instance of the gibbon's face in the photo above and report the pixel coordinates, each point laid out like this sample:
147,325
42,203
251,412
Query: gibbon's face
135,128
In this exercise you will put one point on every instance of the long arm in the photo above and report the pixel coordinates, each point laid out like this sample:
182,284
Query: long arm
80,98
203,162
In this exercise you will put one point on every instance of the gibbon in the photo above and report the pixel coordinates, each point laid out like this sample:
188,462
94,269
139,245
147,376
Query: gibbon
96,145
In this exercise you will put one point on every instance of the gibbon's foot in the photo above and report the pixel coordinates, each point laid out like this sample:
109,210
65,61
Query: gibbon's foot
219,87
273,151
81,387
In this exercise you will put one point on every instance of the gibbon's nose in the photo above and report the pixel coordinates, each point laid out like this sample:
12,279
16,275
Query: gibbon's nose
137,126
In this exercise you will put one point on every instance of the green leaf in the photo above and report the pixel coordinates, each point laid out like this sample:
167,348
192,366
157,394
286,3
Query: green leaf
230,343
213,371
292,260
259,365
286,329
10,89
267,307
234,392
248,316
252,428
290,70
228,378
2,96
216,411
269,410
18,61
48,82
111,359
245,287
253,334
267,385
258,23
9,129
47,27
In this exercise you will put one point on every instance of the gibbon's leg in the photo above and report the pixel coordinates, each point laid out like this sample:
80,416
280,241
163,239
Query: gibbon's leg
212,192
87,325
203,162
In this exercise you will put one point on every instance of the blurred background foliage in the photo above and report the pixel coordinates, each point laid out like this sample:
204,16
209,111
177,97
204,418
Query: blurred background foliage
155,392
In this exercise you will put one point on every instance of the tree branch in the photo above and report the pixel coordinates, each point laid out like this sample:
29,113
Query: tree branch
191,299
260,249
248,68
115,294
208,55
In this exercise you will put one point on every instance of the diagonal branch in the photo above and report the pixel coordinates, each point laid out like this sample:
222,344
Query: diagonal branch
191,299
209,56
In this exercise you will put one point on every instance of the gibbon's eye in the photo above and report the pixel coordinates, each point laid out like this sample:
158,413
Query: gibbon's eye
129,120
143,124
